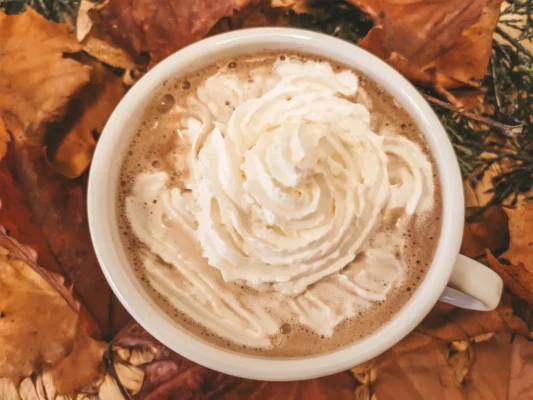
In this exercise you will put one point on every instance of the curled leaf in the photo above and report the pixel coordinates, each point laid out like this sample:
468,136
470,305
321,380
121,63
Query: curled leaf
444,44
83,365
85,119
37,325
97,43
37,77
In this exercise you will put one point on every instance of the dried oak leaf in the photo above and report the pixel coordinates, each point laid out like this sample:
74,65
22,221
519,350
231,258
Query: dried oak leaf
98,44
420,366
83,365
442,43
451,324
489,231
160,28
515,266
255,14
468,58
421,30
37,79
37,324
71,142
50,211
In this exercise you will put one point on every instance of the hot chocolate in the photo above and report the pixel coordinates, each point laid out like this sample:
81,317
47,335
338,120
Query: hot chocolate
279,204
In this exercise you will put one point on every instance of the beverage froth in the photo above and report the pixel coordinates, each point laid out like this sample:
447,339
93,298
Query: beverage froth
278,204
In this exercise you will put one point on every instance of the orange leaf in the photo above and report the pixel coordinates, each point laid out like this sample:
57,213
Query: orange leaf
37,325
445,44
84,364
488,232
520,251
426,370
50,212
452,324
421,30
86,117
515,266
468,58
160,28
36,79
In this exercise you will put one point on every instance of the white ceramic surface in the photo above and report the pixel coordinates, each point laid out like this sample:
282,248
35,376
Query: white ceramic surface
102,193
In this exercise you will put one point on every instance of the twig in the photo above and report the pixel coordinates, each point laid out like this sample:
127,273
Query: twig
512,40
507,130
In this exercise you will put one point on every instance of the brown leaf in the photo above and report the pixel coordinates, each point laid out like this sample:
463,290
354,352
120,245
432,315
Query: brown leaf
160,28
515,266
444,44
468,58
37,325
451,324
256,14
51,212
424,367
421,30
84,364
415,370
517,278
488,232
520,251
86,117
521,370
97,43
36,77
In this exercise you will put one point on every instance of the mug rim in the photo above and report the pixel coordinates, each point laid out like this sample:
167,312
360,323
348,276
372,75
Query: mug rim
103,182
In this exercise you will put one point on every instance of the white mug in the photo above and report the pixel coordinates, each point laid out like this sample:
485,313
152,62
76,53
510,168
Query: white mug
471,285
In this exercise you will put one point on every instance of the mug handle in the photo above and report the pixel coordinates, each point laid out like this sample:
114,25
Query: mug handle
473,286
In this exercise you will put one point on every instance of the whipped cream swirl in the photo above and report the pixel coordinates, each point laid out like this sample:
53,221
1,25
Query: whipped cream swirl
287,195
291,188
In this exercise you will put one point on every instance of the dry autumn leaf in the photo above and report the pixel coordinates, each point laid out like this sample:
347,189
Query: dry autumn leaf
491,370
421,30
50,212
515,266
37,324
489,231
37,78
255,14
85,119
466,61
160,28
450,324
83,365
98,44
441,43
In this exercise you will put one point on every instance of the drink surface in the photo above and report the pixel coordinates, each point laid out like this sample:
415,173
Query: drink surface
279,204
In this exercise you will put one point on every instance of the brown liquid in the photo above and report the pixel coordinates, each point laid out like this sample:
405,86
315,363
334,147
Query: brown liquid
155,148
